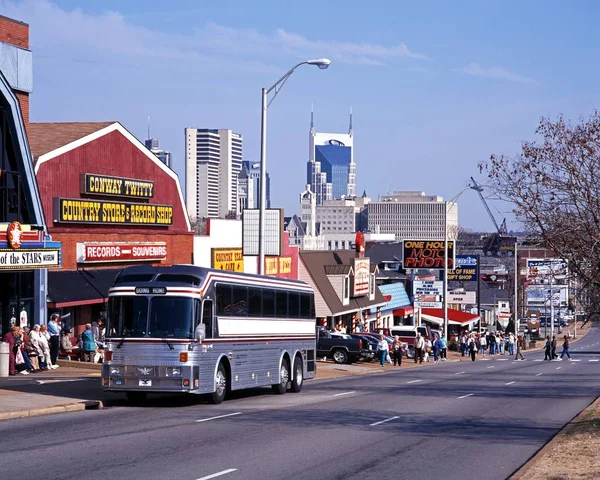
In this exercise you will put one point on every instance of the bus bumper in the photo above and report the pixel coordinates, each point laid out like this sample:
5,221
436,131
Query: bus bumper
149,378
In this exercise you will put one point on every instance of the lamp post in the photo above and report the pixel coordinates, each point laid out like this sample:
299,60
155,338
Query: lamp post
322,63
448,206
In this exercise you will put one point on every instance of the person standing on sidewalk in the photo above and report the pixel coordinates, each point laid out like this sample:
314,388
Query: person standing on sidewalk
54,332
565,348
88,345
382,350
437,347
483,344
511,344
419,347
44,339
472,346
397,351
444,352
548,349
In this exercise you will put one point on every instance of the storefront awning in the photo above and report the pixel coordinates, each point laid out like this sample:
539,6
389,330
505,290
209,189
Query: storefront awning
455,317
404,311
79,287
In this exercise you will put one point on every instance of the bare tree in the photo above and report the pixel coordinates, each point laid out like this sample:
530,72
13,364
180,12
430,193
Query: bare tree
554,185
198,225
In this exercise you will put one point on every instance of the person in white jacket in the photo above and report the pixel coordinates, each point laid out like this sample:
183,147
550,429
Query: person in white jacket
45,345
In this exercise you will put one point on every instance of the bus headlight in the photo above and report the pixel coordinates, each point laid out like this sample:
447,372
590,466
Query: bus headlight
115,370
174,372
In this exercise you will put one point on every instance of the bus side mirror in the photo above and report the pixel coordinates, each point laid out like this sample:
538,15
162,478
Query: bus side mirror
200,333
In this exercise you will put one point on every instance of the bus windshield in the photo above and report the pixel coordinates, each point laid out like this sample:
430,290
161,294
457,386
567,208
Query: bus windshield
171,317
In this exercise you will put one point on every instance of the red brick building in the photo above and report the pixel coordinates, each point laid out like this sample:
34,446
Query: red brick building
111,203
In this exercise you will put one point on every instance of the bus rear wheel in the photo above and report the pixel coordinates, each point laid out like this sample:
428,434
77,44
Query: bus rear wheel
298,380
136,398
218,395
284,378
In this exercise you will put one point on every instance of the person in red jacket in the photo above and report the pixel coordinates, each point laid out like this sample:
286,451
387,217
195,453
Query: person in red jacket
10,339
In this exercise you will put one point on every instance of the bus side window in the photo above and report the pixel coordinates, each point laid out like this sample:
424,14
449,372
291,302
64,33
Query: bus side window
207,317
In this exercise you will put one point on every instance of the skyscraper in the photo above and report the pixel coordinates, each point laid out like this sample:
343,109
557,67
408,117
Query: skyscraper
163,155
331,171
212,166
249,186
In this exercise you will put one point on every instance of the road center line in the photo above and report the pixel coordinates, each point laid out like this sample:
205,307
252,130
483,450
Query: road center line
459,373
538,375
467,395
558,368
214,418
383,421
509,383
218,474
414,381
492,366
344,393
594,360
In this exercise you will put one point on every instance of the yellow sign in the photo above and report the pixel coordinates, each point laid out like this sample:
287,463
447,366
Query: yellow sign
230,259
72,210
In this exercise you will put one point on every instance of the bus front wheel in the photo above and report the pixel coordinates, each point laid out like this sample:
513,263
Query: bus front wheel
284,378
298,380
220,386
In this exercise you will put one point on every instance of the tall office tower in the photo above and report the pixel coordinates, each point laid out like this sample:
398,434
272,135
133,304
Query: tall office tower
163,155
331,171
213,161
249,187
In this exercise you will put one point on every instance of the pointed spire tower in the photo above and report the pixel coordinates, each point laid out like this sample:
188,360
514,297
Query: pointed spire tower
350,129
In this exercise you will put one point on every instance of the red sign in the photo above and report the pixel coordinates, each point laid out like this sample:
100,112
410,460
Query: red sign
286,265
15,231
120,252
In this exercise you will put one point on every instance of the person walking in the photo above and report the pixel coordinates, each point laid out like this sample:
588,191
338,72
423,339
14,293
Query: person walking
419,347
548,349
54,332
397,351
382,350
565,348
519,345
554,355
472,345
88,345
437,347
43,341
483,344
511,344
444,352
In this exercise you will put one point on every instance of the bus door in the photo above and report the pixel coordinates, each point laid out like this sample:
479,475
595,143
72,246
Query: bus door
208,318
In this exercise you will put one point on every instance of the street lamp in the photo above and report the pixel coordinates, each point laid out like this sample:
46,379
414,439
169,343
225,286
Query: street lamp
322,63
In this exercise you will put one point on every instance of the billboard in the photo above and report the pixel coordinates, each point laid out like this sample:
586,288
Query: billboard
230,259
362,271
426,254
467,268
546,296
546,270
273,231
428,294
467,298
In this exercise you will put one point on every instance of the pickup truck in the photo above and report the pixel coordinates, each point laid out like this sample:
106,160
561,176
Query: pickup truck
341,349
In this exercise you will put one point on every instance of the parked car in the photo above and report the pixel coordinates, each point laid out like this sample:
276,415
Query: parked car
340,348
370,351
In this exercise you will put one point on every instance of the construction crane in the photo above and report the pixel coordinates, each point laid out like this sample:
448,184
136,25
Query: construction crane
500,228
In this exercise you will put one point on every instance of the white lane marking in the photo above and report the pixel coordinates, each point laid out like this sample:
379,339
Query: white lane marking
459,373
218,474
484,359
414,381
576,360
344,393
214,418
492,366
594,360
467,395
509,383
538,360
538,375
558,368
502,359
383,421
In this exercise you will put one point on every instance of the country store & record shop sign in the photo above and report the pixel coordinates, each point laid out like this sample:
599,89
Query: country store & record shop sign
91,211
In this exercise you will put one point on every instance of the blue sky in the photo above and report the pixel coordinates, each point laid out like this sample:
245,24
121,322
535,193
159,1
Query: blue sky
435,87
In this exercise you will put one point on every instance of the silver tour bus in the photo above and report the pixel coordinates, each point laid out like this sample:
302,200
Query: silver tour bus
197,330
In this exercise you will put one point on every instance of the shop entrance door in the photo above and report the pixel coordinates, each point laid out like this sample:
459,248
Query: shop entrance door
16,300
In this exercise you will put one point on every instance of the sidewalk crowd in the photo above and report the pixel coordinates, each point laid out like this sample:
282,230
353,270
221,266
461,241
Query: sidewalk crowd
38,349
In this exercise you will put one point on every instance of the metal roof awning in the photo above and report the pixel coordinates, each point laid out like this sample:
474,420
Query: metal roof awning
455,317
72,288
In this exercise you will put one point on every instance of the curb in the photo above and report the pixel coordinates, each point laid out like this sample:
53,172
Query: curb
79,365
38,412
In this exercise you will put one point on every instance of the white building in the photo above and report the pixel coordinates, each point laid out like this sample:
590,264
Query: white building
212,166
412,215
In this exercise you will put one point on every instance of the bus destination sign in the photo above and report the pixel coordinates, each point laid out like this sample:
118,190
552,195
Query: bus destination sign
150,290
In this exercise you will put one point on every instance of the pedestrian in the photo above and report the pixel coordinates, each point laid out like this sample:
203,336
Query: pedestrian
511,344
65,344
519,345
463,344
565,348
32,351
428,349
548,349
54,332
382,350
43,340
88,345
492,342
397,351
472,347
36,341
419,347
483,345
10,338
499,344
437,347
444,352
554,355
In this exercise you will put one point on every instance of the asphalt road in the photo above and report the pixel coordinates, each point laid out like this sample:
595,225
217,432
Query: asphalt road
464,420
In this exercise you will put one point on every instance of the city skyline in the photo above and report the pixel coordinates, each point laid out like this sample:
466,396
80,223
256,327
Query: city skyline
432,99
